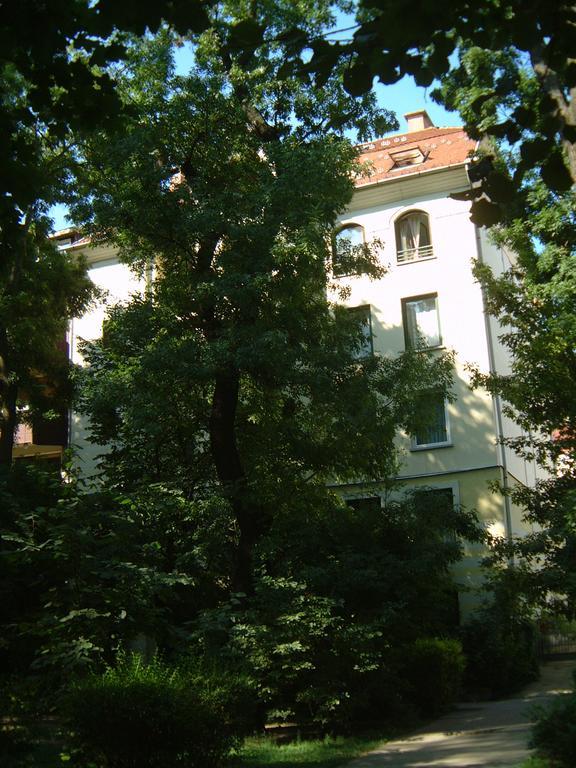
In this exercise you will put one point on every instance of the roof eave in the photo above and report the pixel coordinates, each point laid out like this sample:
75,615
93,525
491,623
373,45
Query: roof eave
415,174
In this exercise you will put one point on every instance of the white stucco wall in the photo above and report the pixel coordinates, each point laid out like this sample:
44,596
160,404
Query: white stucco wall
460,307
117,284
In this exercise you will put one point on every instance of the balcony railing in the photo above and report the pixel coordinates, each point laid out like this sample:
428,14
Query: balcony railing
414,254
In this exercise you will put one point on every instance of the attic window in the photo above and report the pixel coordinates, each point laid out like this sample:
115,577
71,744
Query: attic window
406,157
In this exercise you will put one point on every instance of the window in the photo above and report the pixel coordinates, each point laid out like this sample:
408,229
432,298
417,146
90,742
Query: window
403,158
362,315
435,431
366,504
435,499
439,502
421,322
348,242
413,237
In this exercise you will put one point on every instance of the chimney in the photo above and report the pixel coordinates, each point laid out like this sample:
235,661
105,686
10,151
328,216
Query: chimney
418,121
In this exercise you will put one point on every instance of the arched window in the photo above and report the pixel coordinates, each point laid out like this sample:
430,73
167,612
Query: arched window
413,237
347,242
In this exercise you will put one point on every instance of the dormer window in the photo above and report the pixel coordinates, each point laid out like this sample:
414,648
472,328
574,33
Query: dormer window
346,248
402,158
413,237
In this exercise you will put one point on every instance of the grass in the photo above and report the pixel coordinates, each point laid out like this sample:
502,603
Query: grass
314,753
260,752
37,746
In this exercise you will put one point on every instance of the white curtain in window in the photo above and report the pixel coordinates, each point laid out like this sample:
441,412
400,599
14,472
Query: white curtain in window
414,227
413,231
422,322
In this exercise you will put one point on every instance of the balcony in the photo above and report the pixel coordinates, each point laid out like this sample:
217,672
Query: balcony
409,255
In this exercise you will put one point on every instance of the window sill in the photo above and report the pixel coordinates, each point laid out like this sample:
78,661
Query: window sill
437,348
430,446
347,274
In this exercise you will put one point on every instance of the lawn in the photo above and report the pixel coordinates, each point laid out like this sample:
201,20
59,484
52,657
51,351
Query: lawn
42,749
314,753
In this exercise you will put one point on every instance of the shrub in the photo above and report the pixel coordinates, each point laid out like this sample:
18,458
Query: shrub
502,654
433,669
554,733
151,715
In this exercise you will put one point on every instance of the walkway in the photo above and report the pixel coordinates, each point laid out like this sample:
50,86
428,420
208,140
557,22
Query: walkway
479,735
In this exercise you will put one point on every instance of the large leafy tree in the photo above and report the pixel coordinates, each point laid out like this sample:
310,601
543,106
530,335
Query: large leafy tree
535,302
52,83
511,71
231,179
508,68
521,99
40,289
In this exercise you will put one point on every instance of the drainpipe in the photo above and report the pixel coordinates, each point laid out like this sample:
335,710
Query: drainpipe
497,403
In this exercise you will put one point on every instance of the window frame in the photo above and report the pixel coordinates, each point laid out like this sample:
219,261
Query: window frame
341,228
370,338
450,485
350,500
447,443
408,345
427,250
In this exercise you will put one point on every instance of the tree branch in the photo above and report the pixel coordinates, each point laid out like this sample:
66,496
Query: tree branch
565,109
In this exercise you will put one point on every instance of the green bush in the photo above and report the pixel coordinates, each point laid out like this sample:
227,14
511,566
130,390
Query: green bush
554,733
151,715
502,654
433,668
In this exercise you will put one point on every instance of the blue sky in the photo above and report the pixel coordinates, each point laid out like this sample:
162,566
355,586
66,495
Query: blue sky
405,96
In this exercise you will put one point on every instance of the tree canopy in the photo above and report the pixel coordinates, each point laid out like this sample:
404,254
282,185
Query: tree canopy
506,66
230,181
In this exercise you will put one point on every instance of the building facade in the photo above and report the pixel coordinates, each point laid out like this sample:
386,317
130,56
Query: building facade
428,299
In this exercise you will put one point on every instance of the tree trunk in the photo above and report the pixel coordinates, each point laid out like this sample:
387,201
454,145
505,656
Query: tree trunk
564,108
233,478
7,423
8,396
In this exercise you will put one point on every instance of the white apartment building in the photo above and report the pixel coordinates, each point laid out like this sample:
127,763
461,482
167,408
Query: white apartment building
427,299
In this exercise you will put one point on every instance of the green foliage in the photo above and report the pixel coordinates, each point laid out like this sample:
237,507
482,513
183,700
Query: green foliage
535,301
236,372
326,644
554,732
156,555
151,715
54,80
501,642
328,752
511,82
434,669
41,288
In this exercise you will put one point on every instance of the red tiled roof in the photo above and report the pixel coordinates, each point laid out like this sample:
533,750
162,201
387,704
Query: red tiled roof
441,147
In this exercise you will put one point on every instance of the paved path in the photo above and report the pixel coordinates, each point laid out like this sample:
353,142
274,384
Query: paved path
480,735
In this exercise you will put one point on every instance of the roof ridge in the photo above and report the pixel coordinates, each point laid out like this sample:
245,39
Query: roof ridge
409,137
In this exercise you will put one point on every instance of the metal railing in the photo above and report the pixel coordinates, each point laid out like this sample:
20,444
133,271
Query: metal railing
555,643
414,254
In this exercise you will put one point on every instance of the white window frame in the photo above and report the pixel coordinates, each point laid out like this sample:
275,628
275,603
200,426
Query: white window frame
360,354
452,485
408,343
414,446
341,228
364,496
412,255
